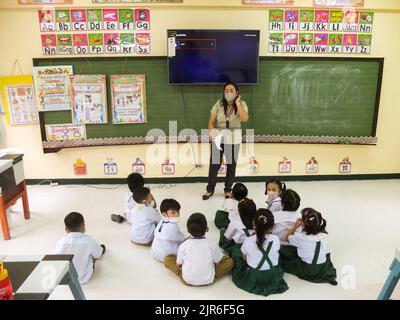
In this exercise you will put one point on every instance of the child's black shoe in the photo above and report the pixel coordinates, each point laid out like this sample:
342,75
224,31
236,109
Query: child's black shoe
117,218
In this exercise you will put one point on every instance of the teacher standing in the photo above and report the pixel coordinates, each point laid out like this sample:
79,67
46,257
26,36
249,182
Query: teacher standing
224,125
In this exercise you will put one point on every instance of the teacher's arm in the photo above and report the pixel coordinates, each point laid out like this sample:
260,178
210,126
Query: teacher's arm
243,114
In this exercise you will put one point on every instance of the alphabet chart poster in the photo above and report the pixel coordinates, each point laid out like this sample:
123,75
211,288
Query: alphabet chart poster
88,97
338,3
128,98
95,31
52,87
320,31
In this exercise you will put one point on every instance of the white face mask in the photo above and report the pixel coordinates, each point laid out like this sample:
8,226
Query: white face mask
230,96
271,195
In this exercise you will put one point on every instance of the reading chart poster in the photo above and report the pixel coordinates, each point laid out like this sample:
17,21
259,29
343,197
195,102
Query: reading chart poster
128,98
52,87
89,103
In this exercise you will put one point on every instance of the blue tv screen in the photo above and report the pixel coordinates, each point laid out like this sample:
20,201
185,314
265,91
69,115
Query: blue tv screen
213,56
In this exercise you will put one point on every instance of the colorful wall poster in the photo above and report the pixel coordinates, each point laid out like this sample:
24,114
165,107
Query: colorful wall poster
276,20
321,20
95,19
80,167
96,43
290,42
88,97
79,20
364,43
45,1
350,22
142,41
345,166
64,43
338,3
306,20
320,43
49,44
336,21
127,41
63,20
139,167
110,167
21,104
142,19
111,43
306,42
140,1
349,43
366,22
11,81
335,43
168,167
285,166
291,20
312,166
268,2
63,132
80,42
110,19
126,21
128,96
52,87
275,42
2,111
47,20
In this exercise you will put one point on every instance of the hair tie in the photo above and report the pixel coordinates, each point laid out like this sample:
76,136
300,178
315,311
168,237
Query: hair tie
263,219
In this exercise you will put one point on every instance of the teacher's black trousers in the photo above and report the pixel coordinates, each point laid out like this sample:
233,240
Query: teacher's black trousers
231,152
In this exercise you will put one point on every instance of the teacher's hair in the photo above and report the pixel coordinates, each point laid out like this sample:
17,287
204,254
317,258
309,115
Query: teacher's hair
223,100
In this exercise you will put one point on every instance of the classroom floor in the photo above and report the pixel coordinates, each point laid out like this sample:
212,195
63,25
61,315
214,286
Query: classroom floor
363,223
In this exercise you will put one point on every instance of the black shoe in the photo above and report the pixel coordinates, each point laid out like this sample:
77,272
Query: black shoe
208,195
104,248
117,218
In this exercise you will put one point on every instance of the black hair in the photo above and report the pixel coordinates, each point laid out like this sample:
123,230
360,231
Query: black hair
73,221
239,191
197,225
135,181
169,204
313,223
247,211
224,102
263,223
140,194
290,200
281,185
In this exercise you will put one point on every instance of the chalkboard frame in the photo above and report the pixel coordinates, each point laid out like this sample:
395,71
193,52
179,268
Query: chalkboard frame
372,140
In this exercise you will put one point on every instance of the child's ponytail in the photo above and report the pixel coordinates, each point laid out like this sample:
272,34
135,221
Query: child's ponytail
263,223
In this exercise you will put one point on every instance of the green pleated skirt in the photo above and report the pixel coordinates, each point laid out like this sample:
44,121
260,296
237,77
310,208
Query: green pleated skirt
318,273
221,219
261,282
226,244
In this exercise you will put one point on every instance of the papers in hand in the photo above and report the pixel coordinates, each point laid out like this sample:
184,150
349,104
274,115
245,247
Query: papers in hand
217,141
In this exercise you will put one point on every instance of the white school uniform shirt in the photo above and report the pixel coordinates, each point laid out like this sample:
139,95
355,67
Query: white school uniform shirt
167,238
275,205
197,257
284,220
84,249
235,231
231,206
254,254
129,205
144,220
307,244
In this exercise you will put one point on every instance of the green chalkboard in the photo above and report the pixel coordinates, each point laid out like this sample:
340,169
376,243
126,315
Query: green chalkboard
294,96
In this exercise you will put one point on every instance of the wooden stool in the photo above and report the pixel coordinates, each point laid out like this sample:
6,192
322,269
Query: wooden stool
392,279
8,199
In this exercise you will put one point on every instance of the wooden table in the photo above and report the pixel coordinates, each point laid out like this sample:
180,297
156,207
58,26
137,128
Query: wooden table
13,187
